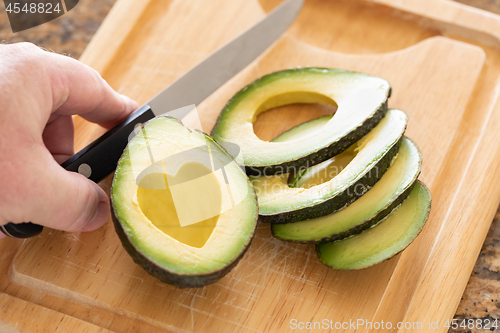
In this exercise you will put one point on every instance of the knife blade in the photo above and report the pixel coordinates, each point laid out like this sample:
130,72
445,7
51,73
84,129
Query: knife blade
99,158
227,61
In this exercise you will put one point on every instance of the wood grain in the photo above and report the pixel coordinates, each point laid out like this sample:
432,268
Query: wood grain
443,62
17,315
41,319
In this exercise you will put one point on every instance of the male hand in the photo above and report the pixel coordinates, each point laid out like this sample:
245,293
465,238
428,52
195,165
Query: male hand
40,91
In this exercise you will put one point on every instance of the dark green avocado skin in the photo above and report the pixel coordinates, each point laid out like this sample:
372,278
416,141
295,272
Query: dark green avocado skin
342,200
360,227
178,280
324,153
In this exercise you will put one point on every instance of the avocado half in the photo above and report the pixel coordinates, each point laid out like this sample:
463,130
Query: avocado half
182,207
361,102
372,156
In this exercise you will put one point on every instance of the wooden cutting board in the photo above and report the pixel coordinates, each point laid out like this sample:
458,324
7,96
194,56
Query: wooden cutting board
443,62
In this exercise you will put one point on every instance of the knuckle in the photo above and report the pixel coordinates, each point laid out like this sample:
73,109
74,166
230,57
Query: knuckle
100,87
23,59
27,46
24,51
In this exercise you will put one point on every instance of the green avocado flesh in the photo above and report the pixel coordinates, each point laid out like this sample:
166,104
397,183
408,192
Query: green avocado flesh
367,162
303,130
360,100
325,170
159,207
394,186
383,241
183,208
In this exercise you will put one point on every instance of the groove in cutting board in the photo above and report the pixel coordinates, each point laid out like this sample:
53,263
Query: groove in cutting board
347,22
13,310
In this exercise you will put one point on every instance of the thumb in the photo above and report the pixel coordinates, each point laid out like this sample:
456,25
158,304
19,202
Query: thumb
86,210
67,201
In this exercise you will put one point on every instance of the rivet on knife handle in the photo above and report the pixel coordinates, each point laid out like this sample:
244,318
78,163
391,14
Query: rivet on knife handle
98,159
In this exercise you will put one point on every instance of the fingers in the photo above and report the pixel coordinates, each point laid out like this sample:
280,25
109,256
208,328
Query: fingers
56,83
79,89
42,90
58,138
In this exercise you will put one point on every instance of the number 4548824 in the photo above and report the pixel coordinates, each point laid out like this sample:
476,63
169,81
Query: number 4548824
484,323
33,8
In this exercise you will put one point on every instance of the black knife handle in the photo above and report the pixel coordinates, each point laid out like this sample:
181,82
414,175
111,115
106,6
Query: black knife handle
99,159
21,230
96,161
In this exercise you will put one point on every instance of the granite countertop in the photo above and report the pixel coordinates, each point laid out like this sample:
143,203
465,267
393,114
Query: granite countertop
70,35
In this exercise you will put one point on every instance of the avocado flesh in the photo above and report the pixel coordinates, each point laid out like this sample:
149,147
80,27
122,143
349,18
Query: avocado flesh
383,241
156,247
324,171
361,101
279,203
159,207
394,187
303,130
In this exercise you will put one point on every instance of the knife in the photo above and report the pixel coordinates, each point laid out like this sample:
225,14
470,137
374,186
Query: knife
99,159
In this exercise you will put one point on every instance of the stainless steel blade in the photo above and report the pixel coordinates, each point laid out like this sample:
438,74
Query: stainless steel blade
197,84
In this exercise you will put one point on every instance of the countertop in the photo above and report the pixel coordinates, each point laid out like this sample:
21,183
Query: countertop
70,34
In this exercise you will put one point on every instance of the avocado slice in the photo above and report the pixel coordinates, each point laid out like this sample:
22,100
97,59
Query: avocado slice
383,241
374,153
182,207
361,100
392,189
303,130
303,177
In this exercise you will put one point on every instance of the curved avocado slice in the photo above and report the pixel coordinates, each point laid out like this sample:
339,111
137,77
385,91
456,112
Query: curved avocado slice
182,207
360,98
392,189
383,241
324,170
280,203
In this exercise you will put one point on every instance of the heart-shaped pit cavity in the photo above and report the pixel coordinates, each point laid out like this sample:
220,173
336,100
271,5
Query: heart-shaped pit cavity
186,206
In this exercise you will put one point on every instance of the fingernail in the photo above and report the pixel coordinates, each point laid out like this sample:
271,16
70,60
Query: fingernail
100,217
